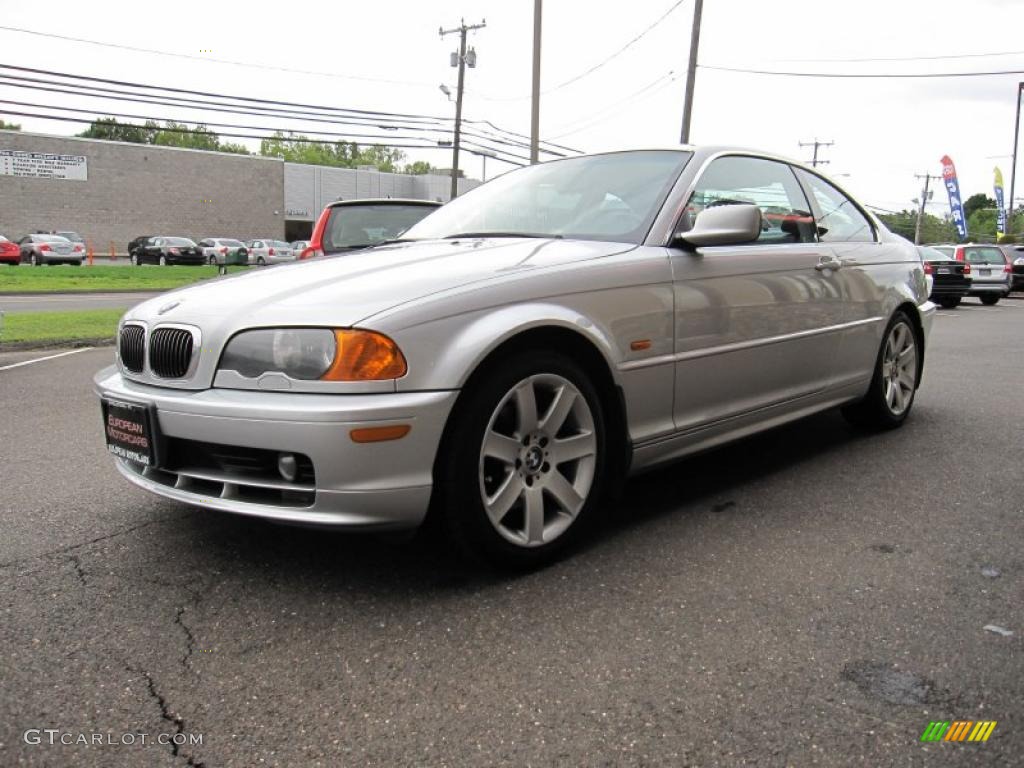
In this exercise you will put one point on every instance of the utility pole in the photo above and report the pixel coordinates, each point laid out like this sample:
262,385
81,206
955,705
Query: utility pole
691,72
924,201
460,60
814,161
1013,170
535,108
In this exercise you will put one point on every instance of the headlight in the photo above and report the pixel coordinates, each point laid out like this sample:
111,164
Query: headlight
311,354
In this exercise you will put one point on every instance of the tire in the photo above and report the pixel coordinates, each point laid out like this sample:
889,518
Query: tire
989,301
35,260
502,496
76,263
135,260
212,261
949,302
261,262
891,394
163,260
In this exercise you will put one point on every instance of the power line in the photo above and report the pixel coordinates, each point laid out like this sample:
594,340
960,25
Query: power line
861,75
152,51
376,138
298,140
584,123
592,69
903,58
258,111
351,113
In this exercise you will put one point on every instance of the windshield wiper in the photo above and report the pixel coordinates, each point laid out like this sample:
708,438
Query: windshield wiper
538,235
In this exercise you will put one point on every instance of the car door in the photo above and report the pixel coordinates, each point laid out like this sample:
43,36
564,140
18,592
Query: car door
866,267
756,324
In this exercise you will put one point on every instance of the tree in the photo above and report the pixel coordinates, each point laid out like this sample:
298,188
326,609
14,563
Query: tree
5,126
977,202
419,168
110,129
933,229
180,135
235,149
296,148
981,224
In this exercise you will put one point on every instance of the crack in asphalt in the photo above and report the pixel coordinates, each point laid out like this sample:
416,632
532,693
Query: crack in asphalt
167,714
73,547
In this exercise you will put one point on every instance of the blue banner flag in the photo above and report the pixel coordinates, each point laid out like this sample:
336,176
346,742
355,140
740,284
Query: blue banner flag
956,207
1001,215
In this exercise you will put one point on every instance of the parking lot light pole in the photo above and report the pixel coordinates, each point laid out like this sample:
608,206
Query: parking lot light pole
1013,169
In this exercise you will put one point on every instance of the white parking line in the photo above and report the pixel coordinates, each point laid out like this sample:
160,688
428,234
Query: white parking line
41,359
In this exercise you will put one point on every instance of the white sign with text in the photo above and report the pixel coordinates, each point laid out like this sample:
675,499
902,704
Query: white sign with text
42,165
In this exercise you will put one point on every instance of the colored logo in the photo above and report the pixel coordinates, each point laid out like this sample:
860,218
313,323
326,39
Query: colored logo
959,730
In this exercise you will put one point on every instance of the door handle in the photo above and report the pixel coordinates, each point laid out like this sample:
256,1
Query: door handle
828,262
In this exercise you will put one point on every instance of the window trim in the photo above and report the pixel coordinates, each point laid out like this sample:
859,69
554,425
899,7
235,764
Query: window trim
813,201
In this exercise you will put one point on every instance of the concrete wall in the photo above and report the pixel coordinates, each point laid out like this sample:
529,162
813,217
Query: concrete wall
135,189
308,188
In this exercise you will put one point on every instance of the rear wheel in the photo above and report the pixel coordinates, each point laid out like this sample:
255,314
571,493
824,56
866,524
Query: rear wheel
988,301
261,262
891,395
212,261
134,258
523,468
949,302
163,260
37,261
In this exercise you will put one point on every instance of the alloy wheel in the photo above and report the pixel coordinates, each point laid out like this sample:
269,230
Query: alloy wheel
537,460
899,368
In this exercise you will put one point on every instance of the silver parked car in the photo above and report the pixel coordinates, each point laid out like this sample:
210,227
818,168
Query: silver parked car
263,252
522,349
223,251
40,249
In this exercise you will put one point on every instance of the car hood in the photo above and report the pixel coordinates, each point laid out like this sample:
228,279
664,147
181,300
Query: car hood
344,289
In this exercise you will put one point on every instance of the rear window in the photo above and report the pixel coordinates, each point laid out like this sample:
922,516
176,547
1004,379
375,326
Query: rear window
356,226
983,255
278,244
933,254
182,241
50,239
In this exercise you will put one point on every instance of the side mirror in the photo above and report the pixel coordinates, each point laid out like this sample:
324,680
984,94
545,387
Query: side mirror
723,225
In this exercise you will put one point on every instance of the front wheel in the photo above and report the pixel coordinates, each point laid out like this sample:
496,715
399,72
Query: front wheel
135,260
163,261
523,467
897,368
212,261
36,260
989,301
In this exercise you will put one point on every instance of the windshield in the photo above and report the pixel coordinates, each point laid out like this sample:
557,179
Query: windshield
931,254
600,197
358,226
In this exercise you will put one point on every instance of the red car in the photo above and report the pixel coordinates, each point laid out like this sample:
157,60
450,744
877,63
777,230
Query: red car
351,225
10,253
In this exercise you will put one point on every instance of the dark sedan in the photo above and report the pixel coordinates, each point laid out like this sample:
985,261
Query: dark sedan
1015,253
951,279
167,250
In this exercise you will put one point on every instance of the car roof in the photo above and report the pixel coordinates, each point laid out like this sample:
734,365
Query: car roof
385,201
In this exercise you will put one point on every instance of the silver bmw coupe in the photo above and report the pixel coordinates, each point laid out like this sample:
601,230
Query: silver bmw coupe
520,351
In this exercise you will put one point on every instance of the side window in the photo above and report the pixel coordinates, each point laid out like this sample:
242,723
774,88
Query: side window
205,243
838,220
770,185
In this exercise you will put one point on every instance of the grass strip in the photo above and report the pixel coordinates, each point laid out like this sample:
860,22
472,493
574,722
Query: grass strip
68,279
59,327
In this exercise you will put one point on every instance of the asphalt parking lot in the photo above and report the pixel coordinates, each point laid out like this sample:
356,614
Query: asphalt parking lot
812,596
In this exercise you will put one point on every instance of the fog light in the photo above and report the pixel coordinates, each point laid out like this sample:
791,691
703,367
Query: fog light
288,466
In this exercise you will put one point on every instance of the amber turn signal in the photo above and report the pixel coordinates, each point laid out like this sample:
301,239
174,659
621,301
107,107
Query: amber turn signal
379,434
365,356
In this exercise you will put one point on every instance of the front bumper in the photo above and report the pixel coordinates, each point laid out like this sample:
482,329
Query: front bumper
383,485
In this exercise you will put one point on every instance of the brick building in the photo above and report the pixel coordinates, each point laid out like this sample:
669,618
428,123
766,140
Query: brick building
111,192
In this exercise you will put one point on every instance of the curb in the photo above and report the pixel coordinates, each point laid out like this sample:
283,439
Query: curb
21,346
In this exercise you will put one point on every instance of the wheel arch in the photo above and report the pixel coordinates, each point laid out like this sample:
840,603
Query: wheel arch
579,348
914,313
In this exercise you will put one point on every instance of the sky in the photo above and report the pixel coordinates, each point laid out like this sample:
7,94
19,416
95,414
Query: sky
388,56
